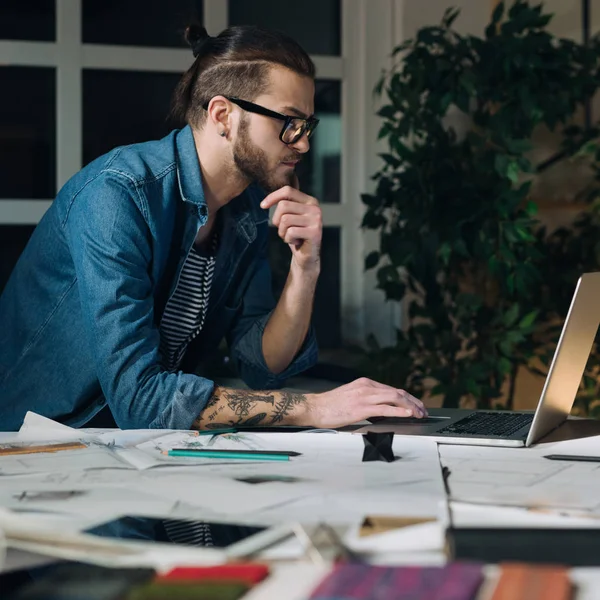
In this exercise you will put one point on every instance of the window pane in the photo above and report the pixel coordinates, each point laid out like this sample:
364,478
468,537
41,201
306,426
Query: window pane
27,20
319,170
314,24
13,239
27,132
124,107
138,22
327,309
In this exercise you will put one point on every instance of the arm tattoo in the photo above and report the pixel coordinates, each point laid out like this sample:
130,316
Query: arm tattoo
242,402
255,420
287,402
251,422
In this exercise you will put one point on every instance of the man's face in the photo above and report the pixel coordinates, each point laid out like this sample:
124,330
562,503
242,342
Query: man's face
258,153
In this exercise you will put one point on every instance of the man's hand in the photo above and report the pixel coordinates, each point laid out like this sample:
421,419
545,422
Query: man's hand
300,225
357,401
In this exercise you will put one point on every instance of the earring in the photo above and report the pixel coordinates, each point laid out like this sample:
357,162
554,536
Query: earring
223,133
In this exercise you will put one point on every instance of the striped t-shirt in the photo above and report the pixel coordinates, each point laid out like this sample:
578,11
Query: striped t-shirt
186,309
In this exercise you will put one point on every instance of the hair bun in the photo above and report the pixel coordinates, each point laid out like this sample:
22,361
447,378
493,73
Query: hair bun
196,36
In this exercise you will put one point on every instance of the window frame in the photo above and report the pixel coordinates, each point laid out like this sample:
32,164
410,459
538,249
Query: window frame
367,39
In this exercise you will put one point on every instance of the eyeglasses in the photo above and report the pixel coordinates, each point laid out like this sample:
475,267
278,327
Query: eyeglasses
293,128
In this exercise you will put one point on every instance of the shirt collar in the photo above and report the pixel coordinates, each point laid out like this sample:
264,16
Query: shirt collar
189,175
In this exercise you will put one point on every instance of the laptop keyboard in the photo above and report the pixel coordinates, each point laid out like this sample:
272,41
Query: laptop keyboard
497,424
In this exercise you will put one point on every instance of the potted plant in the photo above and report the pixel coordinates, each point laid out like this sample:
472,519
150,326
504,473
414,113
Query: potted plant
460,242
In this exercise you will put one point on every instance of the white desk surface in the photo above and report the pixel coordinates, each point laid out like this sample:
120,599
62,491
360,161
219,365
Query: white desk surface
487,486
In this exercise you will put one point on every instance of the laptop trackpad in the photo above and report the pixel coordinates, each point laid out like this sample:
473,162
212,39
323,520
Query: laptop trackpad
409,420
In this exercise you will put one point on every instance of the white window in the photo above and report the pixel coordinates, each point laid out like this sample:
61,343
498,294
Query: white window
79,77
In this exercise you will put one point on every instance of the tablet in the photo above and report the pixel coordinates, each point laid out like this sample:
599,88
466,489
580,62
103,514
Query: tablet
236,539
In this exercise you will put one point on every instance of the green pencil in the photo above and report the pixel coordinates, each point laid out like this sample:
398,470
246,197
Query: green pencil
230,455
217,431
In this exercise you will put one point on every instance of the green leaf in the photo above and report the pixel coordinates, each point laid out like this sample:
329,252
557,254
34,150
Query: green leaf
498,13
371,260
401,149
387,111
511,315
402,47
527,321
504,365
469,82
445,251
394,290
531,209
391,160
385,130
515,146
513,171
370,200
501,162
450,16
373,220
473,387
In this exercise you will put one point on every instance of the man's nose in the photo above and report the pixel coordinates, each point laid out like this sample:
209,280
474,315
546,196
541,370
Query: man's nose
302,145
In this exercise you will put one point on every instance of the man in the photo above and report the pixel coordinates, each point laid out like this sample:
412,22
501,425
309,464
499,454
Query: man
153,253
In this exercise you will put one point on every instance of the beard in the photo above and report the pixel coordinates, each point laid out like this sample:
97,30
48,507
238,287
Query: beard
253,164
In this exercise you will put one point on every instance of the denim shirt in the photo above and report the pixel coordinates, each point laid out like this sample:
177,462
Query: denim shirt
79,315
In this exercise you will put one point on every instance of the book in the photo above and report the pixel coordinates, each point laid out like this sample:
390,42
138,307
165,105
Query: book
360,581
520,581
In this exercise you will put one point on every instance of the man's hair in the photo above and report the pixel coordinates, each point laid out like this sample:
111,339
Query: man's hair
235,63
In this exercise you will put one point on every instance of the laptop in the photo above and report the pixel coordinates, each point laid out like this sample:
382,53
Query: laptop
522,429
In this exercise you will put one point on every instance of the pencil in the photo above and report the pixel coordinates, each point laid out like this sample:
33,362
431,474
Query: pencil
8,450
230,455
217,431
228,451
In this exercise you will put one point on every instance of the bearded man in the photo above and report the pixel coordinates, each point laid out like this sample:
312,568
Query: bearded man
153,253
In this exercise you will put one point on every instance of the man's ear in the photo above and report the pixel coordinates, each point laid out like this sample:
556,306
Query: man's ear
219,110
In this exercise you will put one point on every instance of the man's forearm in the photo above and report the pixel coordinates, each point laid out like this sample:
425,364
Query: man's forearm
287,328
230,407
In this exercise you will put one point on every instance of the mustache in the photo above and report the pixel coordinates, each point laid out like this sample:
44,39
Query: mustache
292,158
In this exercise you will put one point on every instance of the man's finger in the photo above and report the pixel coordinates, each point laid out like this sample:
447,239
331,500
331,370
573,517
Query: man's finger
418,403
386,410
287,207
295,235
287,193
291,221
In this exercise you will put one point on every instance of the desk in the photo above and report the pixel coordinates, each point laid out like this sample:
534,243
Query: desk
339,479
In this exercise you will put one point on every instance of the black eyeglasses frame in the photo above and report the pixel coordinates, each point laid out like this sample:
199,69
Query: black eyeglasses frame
310,123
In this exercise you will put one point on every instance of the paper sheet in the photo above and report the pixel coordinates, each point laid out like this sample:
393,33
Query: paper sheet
465,514
92,457
39,428
520,477
101,502
149,454
589,446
